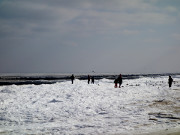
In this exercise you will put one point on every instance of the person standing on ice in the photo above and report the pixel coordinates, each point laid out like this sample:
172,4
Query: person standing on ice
72,78
88,79
92,79
115,82
120,80
170,80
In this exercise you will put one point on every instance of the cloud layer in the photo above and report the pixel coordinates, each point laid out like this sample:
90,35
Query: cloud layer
85,35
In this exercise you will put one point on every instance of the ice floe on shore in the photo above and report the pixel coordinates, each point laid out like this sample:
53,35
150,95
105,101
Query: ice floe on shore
139,105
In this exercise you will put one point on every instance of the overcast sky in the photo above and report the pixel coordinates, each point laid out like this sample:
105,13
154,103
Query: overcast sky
63,36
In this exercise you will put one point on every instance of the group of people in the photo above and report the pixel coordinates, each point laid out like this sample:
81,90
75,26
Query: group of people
117,81
89,78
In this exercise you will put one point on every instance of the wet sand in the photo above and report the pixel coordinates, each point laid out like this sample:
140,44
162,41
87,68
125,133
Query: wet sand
172,114
164,132
165,105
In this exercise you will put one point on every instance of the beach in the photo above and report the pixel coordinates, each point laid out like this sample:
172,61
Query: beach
142,106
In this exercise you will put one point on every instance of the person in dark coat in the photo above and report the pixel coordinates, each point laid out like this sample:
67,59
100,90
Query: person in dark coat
120,80
72,78
92,79
115,82
170,80
89,79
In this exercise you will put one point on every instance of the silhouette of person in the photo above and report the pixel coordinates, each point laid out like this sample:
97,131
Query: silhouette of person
72,78
120,80
170,80
89,79
92,79
115,82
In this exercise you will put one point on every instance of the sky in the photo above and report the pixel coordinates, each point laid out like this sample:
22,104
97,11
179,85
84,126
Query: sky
80,36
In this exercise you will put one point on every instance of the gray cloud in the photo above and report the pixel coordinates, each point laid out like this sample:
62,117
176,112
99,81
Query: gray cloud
80,35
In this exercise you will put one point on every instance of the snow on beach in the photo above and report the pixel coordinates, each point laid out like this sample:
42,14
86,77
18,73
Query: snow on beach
139,106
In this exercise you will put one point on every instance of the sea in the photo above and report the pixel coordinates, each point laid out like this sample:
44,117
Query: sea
50,104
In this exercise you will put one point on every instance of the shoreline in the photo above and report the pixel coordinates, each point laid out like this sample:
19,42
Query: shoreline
38,79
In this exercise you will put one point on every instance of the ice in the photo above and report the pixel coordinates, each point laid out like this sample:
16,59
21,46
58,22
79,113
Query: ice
139,105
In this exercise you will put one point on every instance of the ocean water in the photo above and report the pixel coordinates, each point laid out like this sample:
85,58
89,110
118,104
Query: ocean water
141,105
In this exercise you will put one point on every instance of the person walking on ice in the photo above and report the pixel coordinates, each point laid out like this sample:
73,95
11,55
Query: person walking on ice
120,80
72,78
170,80
92,79
115,82
89,79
